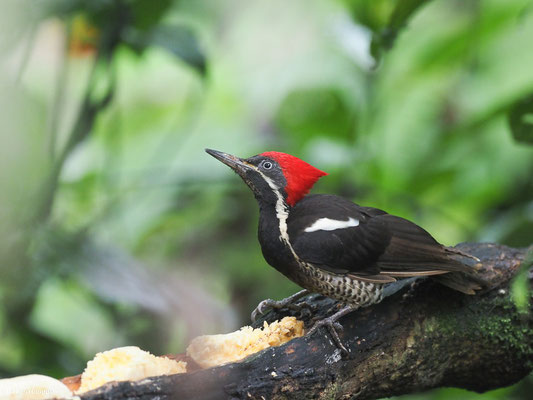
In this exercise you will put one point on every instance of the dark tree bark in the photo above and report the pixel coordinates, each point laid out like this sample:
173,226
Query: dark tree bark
426,337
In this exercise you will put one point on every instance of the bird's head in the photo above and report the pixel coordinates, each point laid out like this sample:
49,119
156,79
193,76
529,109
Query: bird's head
270,173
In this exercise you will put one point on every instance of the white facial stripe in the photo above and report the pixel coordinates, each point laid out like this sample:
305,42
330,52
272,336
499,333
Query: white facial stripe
281,208
281,212
326,224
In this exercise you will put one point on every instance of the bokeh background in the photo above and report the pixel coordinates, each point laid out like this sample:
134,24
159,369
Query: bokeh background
117,229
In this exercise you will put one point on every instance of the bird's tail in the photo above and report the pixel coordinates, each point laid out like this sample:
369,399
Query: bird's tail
467,282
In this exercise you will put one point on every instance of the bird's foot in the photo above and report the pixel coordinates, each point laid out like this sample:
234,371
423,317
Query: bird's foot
289,303
333,326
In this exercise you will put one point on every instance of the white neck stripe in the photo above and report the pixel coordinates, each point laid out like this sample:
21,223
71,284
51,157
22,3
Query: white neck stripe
282,213
327,224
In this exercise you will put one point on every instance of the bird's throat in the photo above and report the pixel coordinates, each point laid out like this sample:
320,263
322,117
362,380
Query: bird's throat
274,238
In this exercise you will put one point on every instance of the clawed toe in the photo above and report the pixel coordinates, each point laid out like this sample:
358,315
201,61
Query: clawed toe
269,304
338,327
262,308
334,327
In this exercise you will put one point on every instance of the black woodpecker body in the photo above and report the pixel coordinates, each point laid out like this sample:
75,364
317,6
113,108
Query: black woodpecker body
329,245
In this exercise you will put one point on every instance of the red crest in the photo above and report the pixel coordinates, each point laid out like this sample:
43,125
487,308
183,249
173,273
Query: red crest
300,176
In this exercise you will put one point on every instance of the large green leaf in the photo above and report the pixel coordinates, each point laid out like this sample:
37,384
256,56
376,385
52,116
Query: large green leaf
65,311
372,14
385,18
403,11
176,39
520,119
182,42
147,13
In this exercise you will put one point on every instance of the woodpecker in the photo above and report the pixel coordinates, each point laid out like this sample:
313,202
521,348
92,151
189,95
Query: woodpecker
329,245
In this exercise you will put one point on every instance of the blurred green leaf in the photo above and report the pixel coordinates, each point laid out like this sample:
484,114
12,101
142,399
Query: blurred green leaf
372,14
520,287
312,112
402,12
147,13
178,40
182,42
520,119
385,18
67,312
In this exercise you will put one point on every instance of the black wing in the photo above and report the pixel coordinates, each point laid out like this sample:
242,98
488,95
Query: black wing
379,249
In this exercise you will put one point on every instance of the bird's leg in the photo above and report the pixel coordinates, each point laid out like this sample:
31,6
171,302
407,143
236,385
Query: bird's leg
332,325
288,302
334,308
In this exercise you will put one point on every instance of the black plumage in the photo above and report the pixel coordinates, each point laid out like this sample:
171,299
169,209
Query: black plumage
380,249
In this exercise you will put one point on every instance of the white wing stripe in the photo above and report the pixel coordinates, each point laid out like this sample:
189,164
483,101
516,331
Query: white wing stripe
326,224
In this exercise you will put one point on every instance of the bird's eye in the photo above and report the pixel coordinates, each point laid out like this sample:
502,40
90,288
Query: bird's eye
267,165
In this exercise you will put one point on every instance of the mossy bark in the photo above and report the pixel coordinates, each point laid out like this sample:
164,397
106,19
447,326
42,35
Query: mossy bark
424,338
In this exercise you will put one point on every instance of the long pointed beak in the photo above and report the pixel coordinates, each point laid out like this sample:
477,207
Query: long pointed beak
235,163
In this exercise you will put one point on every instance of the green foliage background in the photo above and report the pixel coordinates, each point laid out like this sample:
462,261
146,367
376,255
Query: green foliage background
117,229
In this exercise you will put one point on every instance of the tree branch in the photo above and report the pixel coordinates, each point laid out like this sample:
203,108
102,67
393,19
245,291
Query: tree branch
427,337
